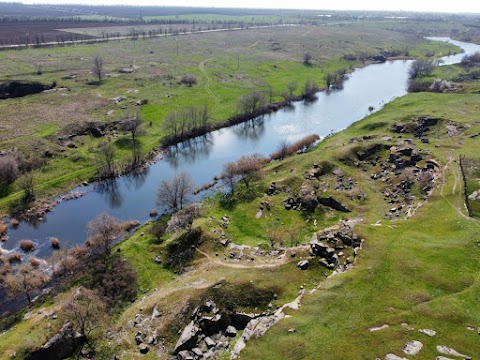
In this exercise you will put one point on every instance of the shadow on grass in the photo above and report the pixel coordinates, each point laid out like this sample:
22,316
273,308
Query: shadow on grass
126,143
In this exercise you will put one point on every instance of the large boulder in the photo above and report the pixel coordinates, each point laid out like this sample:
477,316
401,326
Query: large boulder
334,204
61,346
188,339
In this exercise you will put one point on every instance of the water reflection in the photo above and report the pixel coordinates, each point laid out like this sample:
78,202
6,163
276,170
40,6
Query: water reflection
190,151
251,129
110,191
136,179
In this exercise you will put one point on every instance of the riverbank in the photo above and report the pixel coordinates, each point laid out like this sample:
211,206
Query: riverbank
155,79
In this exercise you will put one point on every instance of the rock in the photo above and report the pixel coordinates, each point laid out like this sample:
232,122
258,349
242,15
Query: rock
155,313
240,320
474,196
394,357
188,338
143,348
153,213
303,264
198,353
212,324
378,328
119,99
443,358
62,345
158,259
428,332
185,355
292,330
334,204
412,347
231,331
209,342
449,351
141,102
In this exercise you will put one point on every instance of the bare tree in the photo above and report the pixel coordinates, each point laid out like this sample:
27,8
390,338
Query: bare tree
106,163
97,66
291,87
421,67
102,231
252,103
183,219
86,311
245,169
175,193
24,282
133,125
26,183
307,58
8,169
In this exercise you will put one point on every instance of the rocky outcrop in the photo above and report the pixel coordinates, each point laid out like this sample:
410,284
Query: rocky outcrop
333,204
61,346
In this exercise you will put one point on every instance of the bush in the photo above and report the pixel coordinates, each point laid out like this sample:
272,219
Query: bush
55,243
188,80
440,85
8,169
418,86
34,261
14,258
301,145
27,245
421,68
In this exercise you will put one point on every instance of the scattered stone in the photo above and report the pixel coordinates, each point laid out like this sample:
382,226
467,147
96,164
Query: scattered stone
412,347
118,99
334,204
428,332
231,331
449,351
158,259
378,328
303,264
153,213
141,102
394,357
188,338
143,348
443,358
292,330
155,313
185,355
209,342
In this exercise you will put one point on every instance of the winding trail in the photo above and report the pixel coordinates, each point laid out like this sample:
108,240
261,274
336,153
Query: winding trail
201,66
278,263
254,44
456,185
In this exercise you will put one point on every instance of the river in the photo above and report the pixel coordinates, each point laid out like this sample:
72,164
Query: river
133,196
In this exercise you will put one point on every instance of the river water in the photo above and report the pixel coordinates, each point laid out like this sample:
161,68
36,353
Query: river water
133,196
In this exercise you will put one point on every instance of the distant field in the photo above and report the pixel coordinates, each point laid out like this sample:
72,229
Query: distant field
226,65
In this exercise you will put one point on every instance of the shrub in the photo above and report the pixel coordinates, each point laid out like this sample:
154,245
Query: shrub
8,169
188,80
34,261
418,86
27,245
301,145
14,257
440,85
421,67
3,228
55,243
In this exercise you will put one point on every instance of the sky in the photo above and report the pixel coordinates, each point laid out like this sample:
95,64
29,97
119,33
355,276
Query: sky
404,5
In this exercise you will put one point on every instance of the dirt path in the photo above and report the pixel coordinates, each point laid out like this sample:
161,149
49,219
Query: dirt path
254,44
456,185
201,66
279,262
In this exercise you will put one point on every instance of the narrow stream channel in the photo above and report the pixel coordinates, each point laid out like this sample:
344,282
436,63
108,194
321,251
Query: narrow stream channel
133,196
